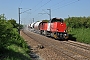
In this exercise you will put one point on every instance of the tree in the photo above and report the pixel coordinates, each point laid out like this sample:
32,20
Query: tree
78,22
5,33
2,17
13,22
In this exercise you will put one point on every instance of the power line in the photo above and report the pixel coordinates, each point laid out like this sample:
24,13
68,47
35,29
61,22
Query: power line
57,3
60,6
25,11
20,3
43,5
38,3
32,8
67,4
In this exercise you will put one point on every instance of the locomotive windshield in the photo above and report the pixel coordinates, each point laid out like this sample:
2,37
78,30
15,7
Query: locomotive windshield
57,20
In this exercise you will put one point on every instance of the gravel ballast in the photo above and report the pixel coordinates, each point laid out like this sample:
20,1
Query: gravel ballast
42,54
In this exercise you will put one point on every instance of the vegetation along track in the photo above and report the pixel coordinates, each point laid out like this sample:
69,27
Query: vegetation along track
66,49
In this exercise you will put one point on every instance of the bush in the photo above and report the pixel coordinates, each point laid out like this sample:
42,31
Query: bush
12,45
81,34
78,22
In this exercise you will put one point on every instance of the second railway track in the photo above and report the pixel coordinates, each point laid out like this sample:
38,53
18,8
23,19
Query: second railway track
66,49
81,45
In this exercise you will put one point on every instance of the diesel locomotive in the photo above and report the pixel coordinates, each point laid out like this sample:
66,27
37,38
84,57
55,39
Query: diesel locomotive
56,28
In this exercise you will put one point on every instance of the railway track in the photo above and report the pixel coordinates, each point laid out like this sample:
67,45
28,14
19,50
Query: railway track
68,50
81,45
79,48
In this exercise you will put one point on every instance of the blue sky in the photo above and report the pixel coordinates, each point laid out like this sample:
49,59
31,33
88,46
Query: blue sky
59,8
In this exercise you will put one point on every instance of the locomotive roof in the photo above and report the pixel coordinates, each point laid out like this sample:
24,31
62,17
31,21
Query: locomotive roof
45,21
57,19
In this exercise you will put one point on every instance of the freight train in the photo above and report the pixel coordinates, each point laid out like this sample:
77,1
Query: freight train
55,28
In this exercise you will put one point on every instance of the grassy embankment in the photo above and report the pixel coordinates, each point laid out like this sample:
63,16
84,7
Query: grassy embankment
81,34
12,46
16,50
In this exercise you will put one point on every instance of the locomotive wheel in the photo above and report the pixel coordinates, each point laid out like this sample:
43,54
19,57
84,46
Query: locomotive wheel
41,32
45,33
55,36
66,38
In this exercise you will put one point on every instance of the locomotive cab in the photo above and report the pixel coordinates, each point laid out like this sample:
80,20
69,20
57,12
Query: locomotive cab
58,28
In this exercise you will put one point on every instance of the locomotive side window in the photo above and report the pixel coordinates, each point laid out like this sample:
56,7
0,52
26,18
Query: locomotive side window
56,20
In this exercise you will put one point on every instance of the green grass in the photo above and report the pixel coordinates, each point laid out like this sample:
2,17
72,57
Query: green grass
14,52
81,34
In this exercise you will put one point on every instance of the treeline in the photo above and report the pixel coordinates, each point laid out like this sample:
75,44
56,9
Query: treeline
8,29
78,22
79,29
10,39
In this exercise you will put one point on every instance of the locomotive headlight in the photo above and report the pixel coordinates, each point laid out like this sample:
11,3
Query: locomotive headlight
65,31
65,34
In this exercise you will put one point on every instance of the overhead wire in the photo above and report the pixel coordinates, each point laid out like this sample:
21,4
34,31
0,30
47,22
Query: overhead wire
43,5
72,2
54,5
57,3
67,4
35,6
38,4
20,3
51,6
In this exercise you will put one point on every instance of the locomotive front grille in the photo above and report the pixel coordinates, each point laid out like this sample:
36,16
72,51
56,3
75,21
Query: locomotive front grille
62,35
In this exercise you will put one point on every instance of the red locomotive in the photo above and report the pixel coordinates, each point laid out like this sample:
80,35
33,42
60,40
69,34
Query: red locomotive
55,28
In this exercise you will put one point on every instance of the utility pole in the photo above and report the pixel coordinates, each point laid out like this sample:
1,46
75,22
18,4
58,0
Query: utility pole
33,19
19,19
21,22
49,13
19,12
